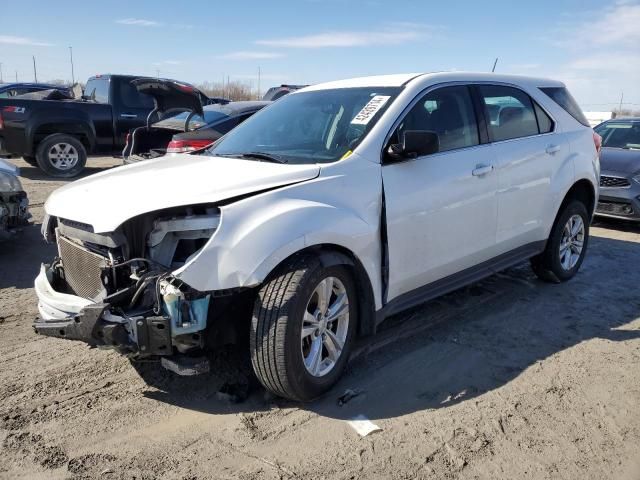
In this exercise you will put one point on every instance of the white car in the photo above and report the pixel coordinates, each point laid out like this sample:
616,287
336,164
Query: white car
324,213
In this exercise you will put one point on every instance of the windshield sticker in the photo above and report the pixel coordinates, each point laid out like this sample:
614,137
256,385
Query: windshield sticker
370,109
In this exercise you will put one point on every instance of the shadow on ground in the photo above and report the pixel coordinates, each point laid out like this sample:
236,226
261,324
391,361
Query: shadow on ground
460,352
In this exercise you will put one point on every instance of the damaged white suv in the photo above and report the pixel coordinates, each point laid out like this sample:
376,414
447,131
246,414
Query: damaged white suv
324,213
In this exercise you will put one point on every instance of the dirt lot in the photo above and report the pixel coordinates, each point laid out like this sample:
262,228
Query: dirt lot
509,378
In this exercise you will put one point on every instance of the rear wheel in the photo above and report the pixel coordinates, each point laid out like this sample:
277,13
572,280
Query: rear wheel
302,328
61,156
566,246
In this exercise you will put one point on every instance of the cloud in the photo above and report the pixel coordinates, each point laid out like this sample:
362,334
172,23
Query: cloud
393,35
610,62
140,22
11,40
245,55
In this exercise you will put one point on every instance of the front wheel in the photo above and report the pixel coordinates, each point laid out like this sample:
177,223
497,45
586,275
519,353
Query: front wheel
61,156
566,246
302,329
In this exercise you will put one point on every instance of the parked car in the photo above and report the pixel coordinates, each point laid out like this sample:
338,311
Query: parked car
187,131
14,204
275,93
620,163
318,217
8,90
57,135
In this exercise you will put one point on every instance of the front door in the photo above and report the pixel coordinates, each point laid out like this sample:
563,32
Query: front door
441,208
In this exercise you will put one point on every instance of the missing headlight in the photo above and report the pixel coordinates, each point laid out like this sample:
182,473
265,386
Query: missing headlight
173,240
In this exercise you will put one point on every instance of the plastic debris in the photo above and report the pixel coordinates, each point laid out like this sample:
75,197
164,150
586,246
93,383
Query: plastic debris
363,425
348,395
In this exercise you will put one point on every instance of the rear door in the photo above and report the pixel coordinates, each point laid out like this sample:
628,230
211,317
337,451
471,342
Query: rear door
441,208
527,155
130,109
97,92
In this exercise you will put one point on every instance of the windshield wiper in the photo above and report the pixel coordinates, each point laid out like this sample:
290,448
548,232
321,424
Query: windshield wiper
263,156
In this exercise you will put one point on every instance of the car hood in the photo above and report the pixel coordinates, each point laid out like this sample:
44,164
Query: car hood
619,160
108,199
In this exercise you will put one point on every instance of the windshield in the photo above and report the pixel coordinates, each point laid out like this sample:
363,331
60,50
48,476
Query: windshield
310,127
620,134
196,121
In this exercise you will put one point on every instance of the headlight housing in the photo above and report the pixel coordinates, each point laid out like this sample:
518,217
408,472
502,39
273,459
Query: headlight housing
9,183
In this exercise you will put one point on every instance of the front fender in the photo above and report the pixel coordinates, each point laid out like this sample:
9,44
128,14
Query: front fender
253,239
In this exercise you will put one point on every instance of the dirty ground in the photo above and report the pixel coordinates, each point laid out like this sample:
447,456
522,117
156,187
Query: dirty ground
508,378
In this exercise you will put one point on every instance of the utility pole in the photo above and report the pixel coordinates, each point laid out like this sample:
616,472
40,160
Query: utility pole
494,65
35,73
157,73
73,77
620,107
259,82
16,76
0,72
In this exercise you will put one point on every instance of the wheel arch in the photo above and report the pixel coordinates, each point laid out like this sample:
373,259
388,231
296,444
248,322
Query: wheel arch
79,130
582,190
331,255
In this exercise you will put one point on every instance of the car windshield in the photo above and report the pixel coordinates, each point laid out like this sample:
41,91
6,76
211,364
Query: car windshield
620,134
309,127
196,121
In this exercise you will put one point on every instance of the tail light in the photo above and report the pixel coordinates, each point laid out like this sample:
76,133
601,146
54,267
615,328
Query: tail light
182,146
1,121
597,141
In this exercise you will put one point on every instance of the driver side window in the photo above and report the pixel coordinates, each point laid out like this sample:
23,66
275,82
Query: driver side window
447,112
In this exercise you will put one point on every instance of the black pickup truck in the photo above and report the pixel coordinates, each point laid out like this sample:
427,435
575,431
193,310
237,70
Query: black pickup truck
57,135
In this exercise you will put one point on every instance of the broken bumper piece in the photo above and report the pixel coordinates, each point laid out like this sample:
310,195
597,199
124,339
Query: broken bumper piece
74,318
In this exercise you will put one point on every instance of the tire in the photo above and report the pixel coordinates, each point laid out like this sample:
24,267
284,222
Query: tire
30,160
61,156
277,345
550,265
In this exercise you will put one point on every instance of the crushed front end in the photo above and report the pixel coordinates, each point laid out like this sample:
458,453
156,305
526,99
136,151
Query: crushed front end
116,290
14,205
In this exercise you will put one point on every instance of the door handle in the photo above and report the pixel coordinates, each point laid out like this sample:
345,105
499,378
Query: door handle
128,115
551,149
481,170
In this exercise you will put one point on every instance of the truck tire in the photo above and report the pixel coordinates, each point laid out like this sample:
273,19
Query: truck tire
566,246
303,326
61,156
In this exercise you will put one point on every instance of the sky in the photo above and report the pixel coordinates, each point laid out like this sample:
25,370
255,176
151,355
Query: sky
593,46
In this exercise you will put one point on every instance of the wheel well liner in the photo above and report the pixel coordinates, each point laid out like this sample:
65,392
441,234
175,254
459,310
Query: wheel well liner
584,191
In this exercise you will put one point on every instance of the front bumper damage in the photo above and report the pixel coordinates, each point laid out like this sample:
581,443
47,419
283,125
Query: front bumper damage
176,329
14,213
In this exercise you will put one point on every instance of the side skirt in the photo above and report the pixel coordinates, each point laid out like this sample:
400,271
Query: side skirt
460,279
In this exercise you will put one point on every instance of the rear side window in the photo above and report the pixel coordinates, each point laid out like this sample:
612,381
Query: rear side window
510,112
545,124
97,89
562,97
131,98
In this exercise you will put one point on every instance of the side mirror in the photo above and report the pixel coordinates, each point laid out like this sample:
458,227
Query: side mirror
415,143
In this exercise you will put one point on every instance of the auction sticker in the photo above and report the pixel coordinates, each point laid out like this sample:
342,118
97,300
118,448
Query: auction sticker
370,109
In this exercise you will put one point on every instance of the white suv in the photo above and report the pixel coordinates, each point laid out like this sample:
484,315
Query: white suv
333,208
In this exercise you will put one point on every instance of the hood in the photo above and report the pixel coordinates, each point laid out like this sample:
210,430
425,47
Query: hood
171,95
619,160
108,199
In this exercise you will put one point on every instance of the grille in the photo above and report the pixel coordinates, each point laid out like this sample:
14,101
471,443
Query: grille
613,182
615,208
82,269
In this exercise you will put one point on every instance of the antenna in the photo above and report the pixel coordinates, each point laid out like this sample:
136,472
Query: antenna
494,65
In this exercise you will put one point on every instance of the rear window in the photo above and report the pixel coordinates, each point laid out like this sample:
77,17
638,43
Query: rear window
132,98
562,97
